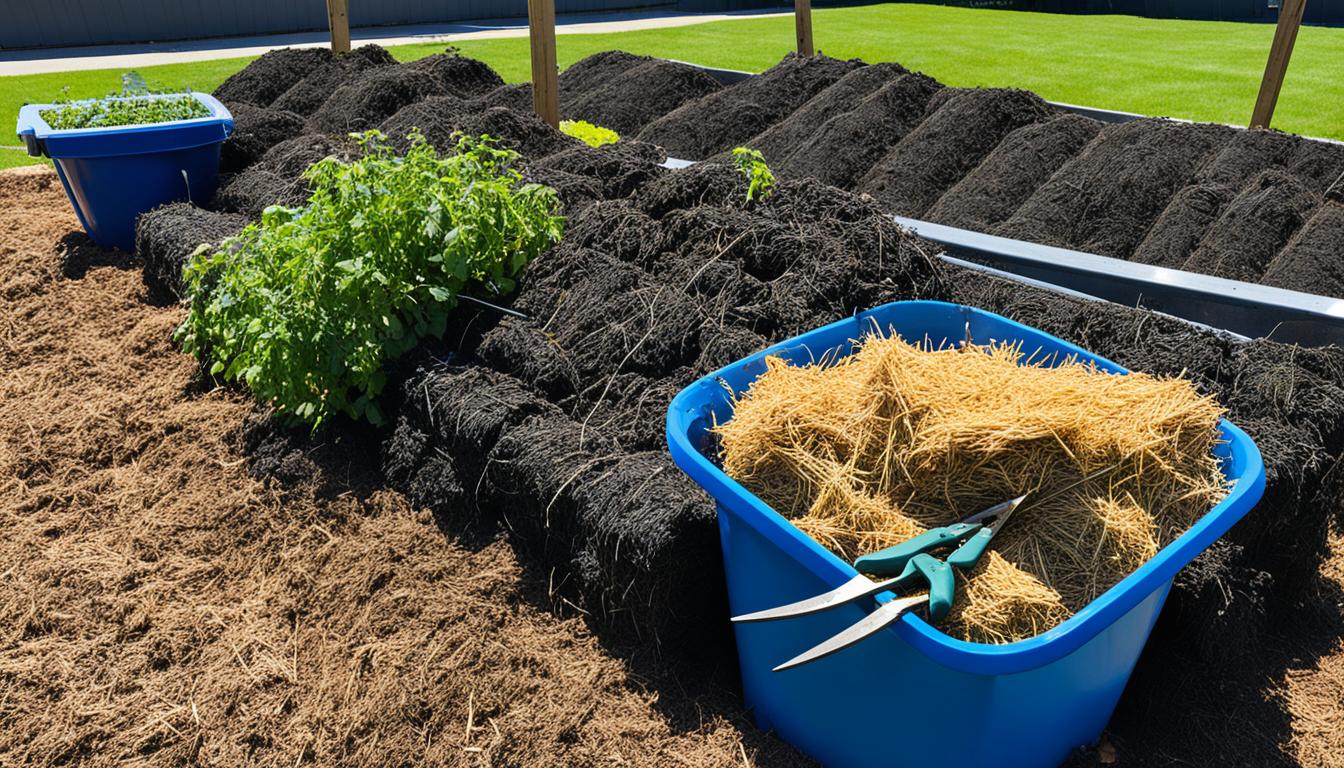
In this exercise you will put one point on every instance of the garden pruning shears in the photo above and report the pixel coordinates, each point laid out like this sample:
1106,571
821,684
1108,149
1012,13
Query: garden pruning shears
900,563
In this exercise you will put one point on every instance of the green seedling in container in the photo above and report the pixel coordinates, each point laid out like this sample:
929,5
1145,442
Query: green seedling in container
592,135
307,306
760,179
137,104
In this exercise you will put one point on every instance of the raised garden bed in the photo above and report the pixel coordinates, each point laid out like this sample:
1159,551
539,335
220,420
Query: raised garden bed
552,424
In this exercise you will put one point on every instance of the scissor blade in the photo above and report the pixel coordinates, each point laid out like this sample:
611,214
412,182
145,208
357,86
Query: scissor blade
857,587
857,631
998,513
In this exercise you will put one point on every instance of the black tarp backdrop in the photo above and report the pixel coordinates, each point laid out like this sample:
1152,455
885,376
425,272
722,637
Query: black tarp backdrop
55,23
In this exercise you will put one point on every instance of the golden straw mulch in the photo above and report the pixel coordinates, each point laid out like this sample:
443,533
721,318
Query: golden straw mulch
899,438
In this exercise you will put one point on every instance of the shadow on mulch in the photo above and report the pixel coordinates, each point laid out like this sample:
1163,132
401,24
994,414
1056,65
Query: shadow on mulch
693,684
78,254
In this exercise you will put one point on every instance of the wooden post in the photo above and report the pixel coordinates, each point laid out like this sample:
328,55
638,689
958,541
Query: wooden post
545,85
1285,34
802,22
339,22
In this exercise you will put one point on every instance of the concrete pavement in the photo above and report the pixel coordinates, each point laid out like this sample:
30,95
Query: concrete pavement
35,61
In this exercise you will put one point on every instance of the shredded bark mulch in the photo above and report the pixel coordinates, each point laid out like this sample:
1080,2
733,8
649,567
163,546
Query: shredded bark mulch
161,606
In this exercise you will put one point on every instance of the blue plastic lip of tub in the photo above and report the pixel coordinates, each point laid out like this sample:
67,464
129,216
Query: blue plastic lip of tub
126,139
693,406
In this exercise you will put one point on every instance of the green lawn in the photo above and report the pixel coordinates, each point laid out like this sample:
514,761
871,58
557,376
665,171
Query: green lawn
1192,69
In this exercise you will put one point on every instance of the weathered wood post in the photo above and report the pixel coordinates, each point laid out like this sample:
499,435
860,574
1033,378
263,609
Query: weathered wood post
339,22
1280,51
802,22
545,83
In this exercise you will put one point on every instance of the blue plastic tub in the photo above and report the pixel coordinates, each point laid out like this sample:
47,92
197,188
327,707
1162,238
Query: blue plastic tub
112,175
911,695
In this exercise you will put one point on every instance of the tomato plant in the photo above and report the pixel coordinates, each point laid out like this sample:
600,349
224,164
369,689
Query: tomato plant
306,306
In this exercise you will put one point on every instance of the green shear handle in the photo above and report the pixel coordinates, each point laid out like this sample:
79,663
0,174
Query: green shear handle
899,564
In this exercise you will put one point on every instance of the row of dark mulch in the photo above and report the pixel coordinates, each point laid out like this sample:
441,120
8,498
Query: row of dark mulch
1205,198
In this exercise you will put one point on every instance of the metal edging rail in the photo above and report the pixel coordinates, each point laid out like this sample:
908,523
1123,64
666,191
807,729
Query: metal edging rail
1246,309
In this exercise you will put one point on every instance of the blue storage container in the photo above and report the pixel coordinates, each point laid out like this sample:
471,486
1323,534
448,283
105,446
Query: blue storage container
911,695
112,175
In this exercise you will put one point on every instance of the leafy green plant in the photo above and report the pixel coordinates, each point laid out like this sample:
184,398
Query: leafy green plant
116,110
137,104
760,179
306,307
592,135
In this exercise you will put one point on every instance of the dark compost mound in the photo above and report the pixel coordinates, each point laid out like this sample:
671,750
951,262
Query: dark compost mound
593,72
1313,262
277,178
255,130
781,139
517,97
1183,223
1105,200
962,128
846,146
729,117
1016,168
167,236
273,73
619,169
630,99
1253,227
438,118
1193,210
372,97
1317,164
459,75
307,95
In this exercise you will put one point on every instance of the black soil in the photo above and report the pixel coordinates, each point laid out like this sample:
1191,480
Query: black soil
438,118
1246,154
781,139
460,76
630,99
371,97
1318,164
1193,210
273,73
1178,231
277,178
1022,162
619,169
732,116
1254,226
517,97
167,236
1105,200
847,145
255,130
591,73
962,128
1313,262
307,95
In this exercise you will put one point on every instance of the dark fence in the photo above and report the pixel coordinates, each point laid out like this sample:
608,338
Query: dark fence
50,23
53,23
1327,12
